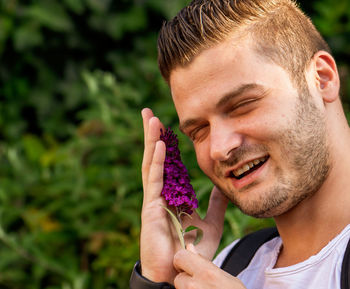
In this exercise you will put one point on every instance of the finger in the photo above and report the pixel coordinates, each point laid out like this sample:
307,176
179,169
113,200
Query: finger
147,114
182,261
204,274
155,178
182,280
153,132
189,262
190,247
216,209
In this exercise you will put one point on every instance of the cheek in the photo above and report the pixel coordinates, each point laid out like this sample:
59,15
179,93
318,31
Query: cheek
264,124
203,157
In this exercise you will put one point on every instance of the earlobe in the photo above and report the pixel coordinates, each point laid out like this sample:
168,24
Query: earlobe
326,76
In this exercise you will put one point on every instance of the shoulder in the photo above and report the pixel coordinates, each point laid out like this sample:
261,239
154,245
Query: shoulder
247,246
223,254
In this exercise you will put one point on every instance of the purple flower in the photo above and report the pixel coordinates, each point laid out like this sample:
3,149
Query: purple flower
177,190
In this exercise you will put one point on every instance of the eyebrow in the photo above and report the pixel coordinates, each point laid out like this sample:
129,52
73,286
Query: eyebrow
187,123
226,98
236,92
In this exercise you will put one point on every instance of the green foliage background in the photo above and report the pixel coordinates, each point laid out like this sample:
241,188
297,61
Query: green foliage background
74,76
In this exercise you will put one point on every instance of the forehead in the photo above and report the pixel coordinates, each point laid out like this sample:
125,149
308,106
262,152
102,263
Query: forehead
208,63
219,70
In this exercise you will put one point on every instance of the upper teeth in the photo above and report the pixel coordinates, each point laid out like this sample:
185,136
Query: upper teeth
246,167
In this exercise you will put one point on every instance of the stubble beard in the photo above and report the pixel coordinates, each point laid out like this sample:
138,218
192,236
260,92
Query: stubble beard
304,144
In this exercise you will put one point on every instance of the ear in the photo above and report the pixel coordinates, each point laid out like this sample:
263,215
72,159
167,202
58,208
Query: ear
326,76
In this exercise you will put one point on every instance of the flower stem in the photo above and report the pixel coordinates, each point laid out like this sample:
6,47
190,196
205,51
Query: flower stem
178,215
178,226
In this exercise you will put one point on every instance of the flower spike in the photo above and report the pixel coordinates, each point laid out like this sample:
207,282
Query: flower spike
177,190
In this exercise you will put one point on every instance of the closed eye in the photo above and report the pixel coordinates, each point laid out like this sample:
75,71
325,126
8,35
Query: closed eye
243,106
198,132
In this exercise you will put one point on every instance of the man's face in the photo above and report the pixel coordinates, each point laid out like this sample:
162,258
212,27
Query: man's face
255,137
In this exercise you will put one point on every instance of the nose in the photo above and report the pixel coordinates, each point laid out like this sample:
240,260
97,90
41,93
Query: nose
223,139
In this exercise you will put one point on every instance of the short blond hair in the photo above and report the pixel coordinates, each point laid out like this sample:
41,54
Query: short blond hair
281,32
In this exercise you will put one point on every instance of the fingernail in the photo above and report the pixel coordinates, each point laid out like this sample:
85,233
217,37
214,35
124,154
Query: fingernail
143,110
153,119
190,247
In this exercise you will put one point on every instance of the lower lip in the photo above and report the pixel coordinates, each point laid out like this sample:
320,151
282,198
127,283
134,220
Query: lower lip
248,179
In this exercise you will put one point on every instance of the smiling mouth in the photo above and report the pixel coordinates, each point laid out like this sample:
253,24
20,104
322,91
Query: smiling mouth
248,168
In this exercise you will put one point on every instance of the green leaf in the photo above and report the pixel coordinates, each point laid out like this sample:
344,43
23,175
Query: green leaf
27,36
199,234
177,225
33,147
50,14
77,6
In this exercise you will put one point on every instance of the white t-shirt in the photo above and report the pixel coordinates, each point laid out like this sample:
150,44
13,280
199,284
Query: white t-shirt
320,271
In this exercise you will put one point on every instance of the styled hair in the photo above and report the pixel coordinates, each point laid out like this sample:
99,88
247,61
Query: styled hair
280,31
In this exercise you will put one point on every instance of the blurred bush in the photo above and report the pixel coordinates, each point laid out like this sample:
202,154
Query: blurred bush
74,76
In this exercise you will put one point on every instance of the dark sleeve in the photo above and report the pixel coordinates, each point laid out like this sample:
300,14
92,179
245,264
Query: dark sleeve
137,281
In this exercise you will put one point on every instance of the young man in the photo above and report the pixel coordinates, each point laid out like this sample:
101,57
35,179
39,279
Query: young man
256,89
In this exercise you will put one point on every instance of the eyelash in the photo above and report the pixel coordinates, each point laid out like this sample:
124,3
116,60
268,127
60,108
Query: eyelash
193,133
243,103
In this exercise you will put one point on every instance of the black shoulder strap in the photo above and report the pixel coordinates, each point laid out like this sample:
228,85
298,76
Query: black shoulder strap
240,255
345,269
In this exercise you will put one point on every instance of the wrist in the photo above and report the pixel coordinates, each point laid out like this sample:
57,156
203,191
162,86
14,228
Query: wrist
156,275
138,281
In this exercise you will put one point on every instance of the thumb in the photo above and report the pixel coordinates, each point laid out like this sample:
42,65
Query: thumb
217,208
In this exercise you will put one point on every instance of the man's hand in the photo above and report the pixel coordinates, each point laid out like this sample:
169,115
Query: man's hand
197,272
159,242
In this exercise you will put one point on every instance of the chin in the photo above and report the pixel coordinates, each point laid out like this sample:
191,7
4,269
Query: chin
265,206
262,213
